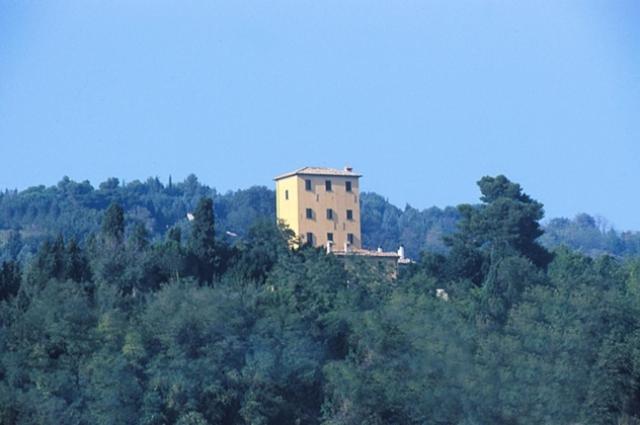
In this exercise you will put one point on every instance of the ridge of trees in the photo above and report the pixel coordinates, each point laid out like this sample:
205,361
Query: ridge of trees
191,328
76,209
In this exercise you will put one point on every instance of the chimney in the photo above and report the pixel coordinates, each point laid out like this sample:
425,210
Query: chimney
348,169
379,249
401,252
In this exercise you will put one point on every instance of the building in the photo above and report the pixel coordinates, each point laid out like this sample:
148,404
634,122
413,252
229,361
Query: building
383,263
321,206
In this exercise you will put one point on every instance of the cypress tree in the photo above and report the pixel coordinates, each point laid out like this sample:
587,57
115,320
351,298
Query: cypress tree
113,223
202,242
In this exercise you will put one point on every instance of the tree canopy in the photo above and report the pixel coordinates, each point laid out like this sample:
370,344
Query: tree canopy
77,210
187,328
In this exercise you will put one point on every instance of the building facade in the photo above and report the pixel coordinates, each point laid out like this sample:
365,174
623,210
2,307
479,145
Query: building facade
322,206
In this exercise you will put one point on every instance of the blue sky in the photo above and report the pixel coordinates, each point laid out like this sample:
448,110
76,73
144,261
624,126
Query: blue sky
422,97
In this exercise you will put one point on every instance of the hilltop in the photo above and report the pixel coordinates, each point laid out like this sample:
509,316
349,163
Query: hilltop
75,209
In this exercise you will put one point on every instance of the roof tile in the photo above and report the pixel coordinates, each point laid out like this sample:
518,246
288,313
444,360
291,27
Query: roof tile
319,171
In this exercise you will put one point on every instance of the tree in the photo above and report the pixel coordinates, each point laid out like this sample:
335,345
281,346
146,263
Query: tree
43,361
202,246
48,263
139,239
506,223
174,234
13,246
260,250
113,223
10,276
110,184
76,263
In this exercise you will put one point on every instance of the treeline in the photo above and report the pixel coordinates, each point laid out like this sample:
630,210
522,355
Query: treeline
190,329
592,236
75,210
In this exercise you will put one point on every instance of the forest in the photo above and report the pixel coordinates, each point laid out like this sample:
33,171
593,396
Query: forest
124,312
75,209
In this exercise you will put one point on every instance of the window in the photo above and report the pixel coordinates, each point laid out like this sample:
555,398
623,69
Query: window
286,195
307,184
309,238
349,214
329,214
348,186
327,185
330,237
350,238
309,213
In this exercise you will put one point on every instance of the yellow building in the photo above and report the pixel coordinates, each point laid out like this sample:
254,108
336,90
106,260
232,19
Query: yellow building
321,205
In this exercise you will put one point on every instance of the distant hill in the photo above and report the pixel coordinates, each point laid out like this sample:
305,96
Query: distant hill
590,236
75,209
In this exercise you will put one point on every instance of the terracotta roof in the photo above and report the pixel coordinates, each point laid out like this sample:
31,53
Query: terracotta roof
320,171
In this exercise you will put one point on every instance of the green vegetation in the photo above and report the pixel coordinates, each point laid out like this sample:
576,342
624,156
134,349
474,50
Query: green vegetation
591,236
128,327
75,210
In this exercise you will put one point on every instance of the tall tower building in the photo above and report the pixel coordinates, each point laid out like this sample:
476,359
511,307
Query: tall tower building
321,205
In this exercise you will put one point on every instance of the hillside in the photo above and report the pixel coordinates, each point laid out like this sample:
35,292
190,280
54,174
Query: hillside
189,330
75,210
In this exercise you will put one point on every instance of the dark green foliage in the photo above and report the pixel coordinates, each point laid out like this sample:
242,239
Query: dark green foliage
175,235
505,224
202,244
10,277
113,223
12,247
264,245
122,328
140,237
388,227
76,210
591,236
46,346
76,263
59,260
